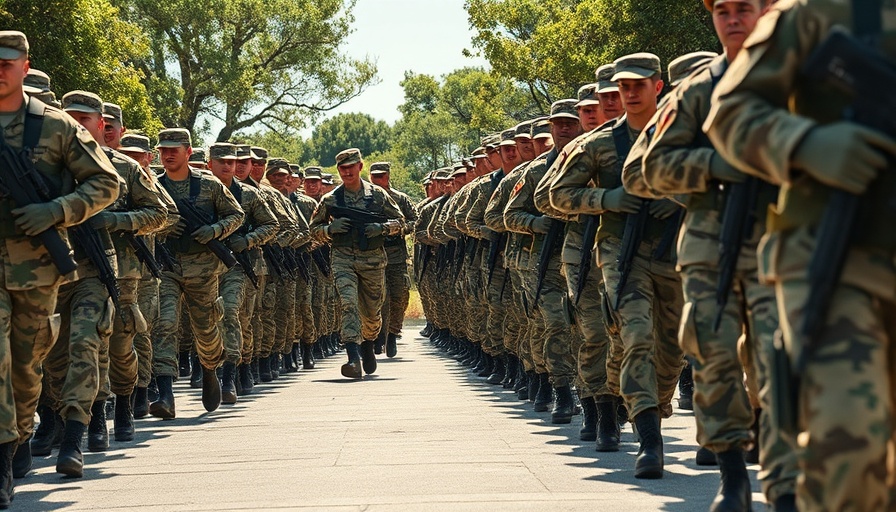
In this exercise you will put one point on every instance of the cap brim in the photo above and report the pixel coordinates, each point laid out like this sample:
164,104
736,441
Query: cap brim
276,171
223,158
10,54
507,143
543,136
32,90
133,149
171,144
607,87
318,178
379,171
564,115
78,107
633,73
349,161
587,102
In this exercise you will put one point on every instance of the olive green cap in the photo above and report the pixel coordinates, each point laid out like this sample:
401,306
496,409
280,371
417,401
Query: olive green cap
36,81
348,156
636,66
523,130
135,143
277,165
113,112
296,171
197,156
541,129
587,95
681,68
380,167
507,137
222,151
605,82
82,101
442,174
173,137
327,178
13,44
565,108
313,172
243,152
490,140
258,153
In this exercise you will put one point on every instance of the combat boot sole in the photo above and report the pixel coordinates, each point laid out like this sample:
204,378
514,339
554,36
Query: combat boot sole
352,370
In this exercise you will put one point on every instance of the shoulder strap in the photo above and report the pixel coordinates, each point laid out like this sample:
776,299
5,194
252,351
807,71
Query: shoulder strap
237,191
195,187
717,69
622,142
867,20
34,121
339,194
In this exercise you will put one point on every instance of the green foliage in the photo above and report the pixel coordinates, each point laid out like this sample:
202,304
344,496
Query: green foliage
348,131
400,177
292,147
83,44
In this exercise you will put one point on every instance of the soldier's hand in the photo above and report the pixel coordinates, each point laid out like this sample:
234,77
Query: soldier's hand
238,243
541,225
103,220
178,229
38,217
339,226
618,200
844,155
721,170
374,230
204,234
663,208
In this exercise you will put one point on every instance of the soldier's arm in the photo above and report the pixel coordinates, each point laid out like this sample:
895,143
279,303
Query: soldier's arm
230,213
463,206
494,210
395,224
474,219
520,210
420,234
172,216
303,234
146,212
570,192
749,122
633,170
320,220
97,181
264,223
410,214
542,195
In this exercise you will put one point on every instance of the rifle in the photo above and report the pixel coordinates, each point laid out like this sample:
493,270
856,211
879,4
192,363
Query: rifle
195,219
358,220
89,240
321,258
738,219
246,264
302,262
460,252
138,244
497,242
631,240
425,257
856,68
164,258
544,257
22,183
592,222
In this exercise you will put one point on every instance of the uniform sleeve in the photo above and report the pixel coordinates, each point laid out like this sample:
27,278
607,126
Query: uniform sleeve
264,223
463,205
749,122
409,210
542,195
633,170
474,220
172,216
230,214
147,212
97,181
320,220
520,210
395,224
494,210
420,234
570,192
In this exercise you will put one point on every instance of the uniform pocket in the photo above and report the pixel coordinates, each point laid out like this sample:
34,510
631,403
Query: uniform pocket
140,325
219,309
107,319
46,337
687,332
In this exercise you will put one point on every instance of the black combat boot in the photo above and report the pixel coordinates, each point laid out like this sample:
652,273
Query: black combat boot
649,463
228,384
686,389
621,411
563,405
211,390
706,457
141,403
427,330
481,364
275,366
294,358
471,354
164,406
256,372
124,419
22,460
588,431
264,369
97,429
42,441
499,370
510,362
368,356
607,424
307,357
532,388
152,391
735,494
318,350
543,395
752,455
184,364
522,384
245,377
380,343
70,461
7,452
391,345
196,376
352,369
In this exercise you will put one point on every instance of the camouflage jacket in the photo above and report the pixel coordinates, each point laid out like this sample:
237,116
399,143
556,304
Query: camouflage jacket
427,215
381,201
260,225
520,212
516,252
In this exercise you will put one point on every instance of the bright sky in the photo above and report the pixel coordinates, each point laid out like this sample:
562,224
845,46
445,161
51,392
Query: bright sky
423,36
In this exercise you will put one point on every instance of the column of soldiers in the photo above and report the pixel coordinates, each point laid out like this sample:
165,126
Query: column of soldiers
656,241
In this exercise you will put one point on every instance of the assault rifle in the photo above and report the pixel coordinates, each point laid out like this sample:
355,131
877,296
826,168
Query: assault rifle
89,240
738,219
544,257
592,222
195,219
497,241
631,240
358,220
138,244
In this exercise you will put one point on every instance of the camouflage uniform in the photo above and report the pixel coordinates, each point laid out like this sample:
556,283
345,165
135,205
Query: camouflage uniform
427,274
305,331
398,282
474,294
846,404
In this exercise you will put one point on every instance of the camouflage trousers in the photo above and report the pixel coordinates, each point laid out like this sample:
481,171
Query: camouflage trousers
519,313
398,293
193,285
304,319
118,359
537,328
72,369
559,343
232,286
721,405
648,319
847,399
285,317
264,312
457,323
476,311
334,307
360,279
148,299
497,309
533,328
30,327
436,299
247,320
318,285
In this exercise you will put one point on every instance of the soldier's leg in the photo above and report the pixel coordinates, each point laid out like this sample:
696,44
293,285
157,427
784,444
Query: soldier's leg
268,306
558,344
399,286
165,337
122,356
667,308
232,289
258,318
347,285
148,299
307,334
371,291
56,363
590,322
496,312
247,321
537,329
206,308
286,306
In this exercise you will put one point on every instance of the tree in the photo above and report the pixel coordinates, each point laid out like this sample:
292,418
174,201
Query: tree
83,44
291,147
348,131
248,63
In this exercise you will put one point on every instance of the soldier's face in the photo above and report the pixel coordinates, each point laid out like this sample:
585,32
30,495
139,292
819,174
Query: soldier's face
312,187
590,116
482,166
278,180
174,158
12,75
351,174
510,157
112,133
93,123
494,158
610,104
241,169
639,95
141,157
543,144
256,169
459,181
380,179
564,129
223,169
525,148
734,21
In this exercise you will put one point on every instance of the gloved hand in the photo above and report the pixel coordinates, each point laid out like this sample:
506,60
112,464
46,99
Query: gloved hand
103,220
663,208
204,234
542,225
618,200
721,170
38,217
374,230
178,229
339,226
238,243
844,155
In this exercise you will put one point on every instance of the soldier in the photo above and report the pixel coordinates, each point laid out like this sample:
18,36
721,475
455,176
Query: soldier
358,258
306,331
198,159
588,107
762,123
257,228
541,135
114,128
193,279
642,286
68,157
398,282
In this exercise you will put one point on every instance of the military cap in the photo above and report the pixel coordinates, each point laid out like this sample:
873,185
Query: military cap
296,171
427,179
564,108
13,44
380,167
197,156
313,172
348,157
478,152
712,3
112,111
276,165
47,97
491,140
36,81
523,130
243,152
541,128
507,137
605,82
442,174
587,95
680,68
173,137
134,143
636,66
327,178
222,151
258,153
458,171
82,101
